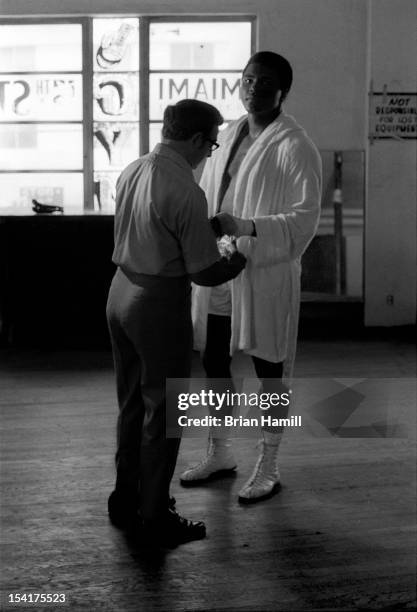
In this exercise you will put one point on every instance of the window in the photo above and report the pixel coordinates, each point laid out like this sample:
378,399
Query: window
116,103
81,98
196,60
41,129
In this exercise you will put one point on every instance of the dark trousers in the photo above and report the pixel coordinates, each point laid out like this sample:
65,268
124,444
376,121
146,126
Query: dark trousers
217,362
151,333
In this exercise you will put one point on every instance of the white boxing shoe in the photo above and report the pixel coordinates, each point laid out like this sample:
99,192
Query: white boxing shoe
219,461
265,478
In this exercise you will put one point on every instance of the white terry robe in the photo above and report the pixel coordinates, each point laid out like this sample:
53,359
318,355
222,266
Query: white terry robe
279,186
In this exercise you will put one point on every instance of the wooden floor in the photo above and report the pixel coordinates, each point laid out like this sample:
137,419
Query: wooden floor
340,535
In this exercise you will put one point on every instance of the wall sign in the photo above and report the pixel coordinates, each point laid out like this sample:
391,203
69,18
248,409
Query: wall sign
393,115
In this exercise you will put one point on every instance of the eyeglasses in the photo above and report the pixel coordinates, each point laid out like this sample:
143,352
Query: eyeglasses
214,145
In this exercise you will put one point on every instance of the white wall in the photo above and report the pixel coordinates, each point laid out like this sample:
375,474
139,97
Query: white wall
335,46
325,40
390,264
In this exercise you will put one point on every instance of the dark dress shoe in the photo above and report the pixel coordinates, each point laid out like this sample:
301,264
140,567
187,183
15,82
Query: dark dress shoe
124,513
173,530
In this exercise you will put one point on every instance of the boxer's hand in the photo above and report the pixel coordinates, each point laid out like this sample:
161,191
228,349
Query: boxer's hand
233,226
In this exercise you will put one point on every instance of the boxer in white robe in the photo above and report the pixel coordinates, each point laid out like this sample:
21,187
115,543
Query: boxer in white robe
264,185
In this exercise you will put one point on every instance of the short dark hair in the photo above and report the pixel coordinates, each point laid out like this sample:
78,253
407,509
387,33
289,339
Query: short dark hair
188,117
278,64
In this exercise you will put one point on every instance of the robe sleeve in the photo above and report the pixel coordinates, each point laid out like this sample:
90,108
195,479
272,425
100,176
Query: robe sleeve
209,183
283,237
205,176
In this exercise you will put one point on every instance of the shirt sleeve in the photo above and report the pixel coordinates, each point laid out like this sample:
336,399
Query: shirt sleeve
197,239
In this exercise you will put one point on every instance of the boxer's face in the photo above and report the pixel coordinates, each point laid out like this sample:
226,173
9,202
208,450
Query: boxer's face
260,90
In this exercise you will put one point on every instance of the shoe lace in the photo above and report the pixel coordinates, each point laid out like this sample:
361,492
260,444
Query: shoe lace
258,476
182,522
209,455
204,461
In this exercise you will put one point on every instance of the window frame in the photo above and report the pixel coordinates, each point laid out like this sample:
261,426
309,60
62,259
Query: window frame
87,71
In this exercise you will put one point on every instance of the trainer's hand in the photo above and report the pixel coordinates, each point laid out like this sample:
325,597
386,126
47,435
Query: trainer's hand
232,226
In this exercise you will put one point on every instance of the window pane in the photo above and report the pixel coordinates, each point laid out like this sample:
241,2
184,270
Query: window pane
41,146
105,191
221,90
116,96
115,145
154,134
50,97
17,191
116,44
40,47
198,45
116,104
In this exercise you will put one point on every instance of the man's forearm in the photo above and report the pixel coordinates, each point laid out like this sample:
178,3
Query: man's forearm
220,272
